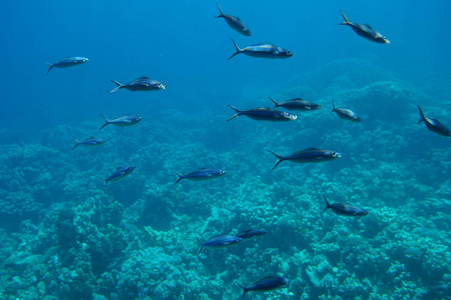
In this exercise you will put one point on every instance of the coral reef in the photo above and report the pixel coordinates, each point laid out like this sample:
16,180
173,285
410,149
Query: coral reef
66,235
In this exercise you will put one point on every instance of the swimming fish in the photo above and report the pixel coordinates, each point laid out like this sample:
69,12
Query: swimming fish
141,84
365,30
67,62
264,50
263,114
346,113
296,104
234,23
345,209
90,141
434,125
199,175
122,121
120,173
266,284
251,234
217,242
310,155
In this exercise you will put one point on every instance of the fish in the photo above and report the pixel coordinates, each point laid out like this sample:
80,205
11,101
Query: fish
434,125
346,113
122,121
266,284
234,23
218,242
263,50
251,234
296,104
120,173
141,84
199,175
67,62
345,209
310,155
263,114
365,30
90,141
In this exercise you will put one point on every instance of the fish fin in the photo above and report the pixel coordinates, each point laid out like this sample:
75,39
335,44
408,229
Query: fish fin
312,148
421,115
327,204
333,105
369,26
346,22
106,121
275,103
221,14
50,67
201,247
237,112
245,290
115,89
106,180
143,77
77,143
238,50
178,179
281,159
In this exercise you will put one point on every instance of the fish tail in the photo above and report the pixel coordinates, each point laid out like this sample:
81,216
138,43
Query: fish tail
106,180
50,67
106,121
275,103
235,115
245,290
220,11
327,204
116,89
180,177
333,105
421,115
281,159
77,143
201,247
346,22
238,50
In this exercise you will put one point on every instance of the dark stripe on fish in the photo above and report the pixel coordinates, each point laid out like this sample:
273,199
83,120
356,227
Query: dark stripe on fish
218,242
310,155
265,284
345,209
434,125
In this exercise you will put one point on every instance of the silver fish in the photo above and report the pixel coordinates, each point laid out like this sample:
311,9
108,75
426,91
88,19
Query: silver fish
234,23
122,121
263,50
90,141
141,84
67,62
120,173
346,113
365,30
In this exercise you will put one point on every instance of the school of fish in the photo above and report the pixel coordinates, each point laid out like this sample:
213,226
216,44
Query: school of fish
309,155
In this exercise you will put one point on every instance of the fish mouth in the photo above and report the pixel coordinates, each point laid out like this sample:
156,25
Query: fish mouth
162,86
292,117
337,155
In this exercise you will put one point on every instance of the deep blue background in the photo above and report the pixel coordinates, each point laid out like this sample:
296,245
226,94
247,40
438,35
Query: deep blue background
180,44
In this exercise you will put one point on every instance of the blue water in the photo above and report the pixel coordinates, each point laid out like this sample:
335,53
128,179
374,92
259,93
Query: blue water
66,235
